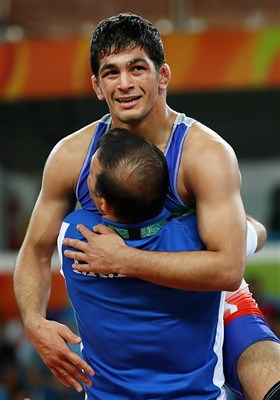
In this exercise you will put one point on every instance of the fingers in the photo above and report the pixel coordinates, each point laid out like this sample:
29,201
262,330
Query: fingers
70,356
87,233
71,371
82,267
102,229
81,364
66,365
76,243
82,247
76,255
71,376
60,377
72,382
68,335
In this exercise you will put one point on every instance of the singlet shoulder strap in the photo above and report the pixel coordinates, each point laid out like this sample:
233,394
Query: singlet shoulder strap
173,153
81,189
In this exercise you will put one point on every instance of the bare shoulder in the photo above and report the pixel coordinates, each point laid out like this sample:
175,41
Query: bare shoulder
57,195
76,144
202,138
67,156
208,155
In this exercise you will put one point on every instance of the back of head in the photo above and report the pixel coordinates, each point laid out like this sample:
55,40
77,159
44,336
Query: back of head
134,176
117,33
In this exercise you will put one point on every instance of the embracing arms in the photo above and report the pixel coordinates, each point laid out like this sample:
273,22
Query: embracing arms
209,173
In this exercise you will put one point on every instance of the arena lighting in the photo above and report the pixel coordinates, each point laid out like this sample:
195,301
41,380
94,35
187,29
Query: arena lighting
165,26
13,33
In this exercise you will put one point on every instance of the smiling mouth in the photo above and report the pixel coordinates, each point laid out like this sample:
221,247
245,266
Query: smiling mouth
128,99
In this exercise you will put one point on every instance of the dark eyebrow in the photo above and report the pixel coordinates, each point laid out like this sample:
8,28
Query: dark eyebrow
136,60
131,62
107,66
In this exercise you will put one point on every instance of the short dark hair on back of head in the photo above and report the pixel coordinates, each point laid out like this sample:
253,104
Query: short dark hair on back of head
134,177
118,32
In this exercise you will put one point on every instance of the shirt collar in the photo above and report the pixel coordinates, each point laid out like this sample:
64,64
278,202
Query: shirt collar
140,230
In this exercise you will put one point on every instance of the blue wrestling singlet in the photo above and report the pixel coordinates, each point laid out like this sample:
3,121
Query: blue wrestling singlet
146,341
172,153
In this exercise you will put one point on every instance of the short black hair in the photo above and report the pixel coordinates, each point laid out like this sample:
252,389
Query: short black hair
118,32
134,177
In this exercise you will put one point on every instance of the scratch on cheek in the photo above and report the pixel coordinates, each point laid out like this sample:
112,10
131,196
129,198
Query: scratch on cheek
210,221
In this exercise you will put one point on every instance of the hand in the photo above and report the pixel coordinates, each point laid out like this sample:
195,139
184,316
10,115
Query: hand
50,341
100,253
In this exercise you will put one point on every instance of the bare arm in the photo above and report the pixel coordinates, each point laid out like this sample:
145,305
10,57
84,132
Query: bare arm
32,275
213,177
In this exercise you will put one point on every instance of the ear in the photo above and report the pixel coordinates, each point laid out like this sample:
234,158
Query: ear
96,88
109,209
105,208
102,206
165,76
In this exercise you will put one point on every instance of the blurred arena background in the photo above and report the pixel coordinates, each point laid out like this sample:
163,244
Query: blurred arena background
225,62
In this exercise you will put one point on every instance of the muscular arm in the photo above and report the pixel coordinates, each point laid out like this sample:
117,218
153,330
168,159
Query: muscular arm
32,274
212,174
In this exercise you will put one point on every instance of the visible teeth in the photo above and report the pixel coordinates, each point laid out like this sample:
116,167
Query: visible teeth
127,100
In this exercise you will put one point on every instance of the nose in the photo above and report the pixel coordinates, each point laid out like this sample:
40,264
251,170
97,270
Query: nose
125,81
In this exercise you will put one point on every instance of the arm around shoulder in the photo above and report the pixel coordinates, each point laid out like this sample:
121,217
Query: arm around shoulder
211,171
213,177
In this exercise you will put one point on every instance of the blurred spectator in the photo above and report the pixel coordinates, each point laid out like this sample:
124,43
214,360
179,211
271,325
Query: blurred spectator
271,311
256,290
274,221
11,387
13,211
23,374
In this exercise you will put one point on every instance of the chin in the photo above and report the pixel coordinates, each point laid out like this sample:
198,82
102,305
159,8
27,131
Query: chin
131,116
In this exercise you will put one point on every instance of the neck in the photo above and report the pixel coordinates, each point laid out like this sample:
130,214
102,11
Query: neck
155,127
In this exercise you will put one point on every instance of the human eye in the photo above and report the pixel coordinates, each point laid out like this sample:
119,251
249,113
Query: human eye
138,67
110,73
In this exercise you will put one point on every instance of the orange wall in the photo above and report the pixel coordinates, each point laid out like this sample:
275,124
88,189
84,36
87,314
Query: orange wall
215,60
8,306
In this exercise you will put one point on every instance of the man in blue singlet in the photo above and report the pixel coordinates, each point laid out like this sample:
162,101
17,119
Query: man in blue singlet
143,340
131,75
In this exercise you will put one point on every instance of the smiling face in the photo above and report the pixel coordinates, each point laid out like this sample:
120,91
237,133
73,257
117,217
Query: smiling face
130,84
